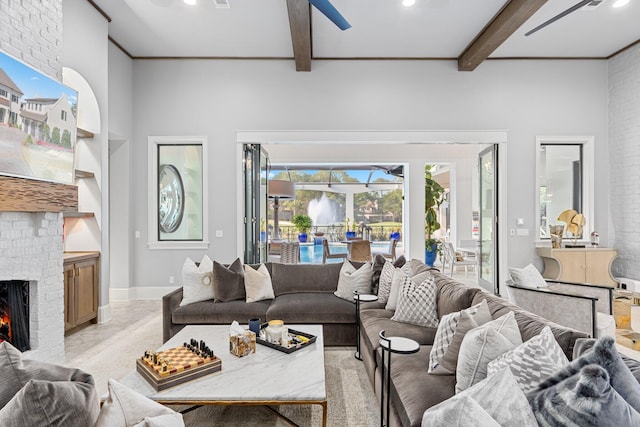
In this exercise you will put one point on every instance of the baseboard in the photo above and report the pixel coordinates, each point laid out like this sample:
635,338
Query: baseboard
104,313
139,292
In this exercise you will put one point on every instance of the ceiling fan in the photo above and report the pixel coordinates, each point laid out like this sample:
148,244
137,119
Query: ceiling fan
331,12
564,13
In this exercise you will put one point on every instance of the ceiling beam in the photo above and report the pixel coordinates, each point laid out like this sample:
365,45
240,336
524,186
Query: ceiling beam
300,24
504,24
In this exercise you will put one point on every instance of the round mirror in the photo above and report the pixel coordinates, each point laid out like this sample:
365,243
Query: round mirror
170,198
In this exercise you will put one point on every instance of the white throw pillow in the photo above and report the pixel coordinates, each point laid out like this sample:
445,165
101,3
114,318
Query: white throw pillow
197,281
483,344
527,277
417,303
127,408
396,283
386,279
499,396
351,280
533,361
257,283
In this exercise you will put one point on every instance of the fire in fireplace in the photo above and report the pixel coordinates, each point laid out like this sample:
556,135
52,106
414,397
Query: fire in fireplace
14,313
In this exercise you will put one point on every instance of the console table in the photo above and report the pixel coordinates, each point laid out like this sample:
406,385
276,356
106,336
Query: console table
579,265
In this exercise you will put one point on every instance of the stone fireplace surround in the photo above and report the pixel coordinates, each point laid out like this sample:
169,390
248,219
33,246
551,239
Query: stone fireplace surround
31,249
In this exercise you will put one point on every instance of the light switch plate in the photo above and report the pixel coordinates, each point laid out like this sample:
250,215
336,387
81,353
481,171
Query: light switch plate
219,233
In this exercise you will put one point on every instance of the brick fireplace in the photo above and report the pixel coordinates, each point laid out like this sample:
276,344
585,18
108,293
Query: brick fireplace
31,250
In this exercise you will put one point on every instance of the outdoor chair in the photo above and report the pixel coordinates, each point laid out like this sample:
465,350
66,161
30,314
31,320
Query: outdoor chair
391,252
359,250
453,259
326,252
290,253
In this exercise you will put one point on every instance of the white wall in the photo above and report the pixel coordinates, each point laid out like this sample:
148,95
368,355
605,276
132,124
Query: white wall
85,50
624,134
120,131
216,98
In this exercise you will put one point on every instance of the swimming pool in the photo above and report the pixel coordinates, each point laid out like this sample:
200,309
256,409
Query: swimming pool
312,254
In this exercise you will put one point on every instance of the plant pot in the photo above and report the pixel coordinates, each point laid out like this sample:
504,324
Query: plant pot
302,237
351,235
263,236
394,236
430,255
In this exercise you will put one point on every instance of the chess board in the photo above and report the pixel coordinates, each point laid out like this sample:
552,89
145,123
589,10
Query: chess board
182,365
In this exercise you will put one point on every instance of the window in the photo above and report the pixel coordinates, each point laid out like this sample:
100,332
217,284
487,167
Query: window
63,115
564,181
3,93
14,98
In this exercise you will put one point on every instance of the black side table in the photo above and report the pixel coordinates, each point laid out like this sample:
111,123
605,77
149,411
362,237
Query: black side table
364,298
399,345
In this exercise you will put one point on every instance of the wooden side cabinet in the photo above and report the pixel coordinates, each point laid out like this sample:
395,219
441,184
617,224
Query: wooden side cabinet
81,287
580,265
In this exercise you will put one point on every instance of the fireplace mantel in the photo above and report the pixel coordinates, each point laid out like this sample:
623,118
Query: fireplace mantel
29,195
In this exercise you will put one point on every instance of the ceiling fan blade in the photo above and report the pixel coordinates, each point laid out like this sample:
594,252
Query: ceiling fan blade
331,12
558,16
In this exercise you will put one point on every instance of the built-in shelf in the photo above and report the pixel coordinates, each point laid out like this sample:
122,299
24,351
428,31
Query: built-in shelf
81,133
84,174
78,214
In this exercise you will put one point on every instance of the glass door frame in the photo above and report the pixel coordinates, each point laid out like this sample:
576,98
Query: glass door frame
493,254
255,202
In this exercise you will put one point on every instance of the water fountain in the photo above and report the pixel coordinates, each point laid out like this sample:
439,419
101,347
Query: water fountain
323,211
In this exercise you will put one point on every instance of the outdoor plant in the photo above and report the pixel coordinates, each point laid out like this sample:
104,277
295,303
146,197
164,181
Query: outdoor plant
302,223
434,195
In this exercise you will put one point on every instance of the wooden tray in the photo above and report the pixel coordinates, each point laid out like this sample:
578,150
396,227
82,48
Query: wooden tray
288,350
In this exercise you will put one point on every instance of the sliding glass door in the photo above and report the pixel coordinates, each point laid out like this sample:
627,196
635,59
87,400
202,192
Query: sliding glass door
488,260
256,169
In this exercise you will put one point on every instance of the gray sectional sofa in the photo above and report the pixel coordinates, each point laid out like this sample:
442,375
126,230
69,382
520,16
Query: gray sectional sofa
304,294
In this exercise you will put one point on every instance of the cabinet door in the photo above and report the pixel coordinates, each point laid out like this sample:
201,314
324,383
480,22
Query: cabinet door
69,296
86,290
597,271
572,263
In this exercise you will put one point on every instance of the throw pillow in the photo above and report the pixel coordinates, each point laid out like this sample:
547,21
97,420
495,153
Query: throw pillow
16,372
127,408
376,269
418,266
52,403
527,277
452,328
352,279
483,344
257,283
396,283
460,412
499,396
417,303
532,361
585,398
197,281
603,354
228,282
384,285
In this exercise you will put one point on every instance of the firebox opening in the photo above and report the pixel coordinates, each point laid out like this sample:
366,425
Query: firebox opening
14,313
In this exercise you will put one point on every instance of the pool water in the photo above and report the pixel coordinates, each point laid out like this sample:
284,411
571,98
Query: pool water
312,254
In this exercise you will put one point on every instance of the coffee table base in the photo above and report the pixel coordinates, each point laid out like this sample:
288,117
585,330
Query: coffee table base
266,404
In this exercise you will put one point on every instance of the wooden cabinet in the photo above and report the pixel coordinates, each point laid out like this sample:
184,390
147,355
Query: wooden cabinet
81,287
581,265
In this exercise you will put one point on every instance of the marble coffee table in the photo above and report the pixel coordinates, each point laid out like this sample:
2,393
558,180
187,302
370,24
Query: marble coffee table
267,377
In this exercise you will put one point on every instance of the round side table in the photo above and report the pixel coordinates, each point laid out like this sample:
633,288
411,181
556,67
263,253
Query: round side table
399,345
360,298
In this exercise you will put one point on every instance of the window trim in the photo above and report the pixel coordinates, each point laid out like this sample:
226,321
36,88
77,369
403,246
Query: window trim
588,181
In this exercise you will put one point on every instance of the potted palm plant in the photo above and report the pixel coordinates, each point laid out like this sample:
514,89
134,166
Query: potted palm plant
433,197
302,223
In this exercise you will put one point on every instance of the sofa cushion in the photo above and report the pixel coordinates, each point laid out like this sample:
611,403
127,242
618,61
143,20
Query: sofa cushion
498,395
353,280
16,372
453,296
603,354
413,389
228,282
532,361
197,281
530,324
127,408
293,278
310,307
451,331
257,283
482,345
417,303
52,403
586,398
210,312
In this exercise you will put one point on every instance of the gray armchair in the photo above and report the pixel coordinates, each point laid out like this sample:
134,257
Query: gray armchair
584,307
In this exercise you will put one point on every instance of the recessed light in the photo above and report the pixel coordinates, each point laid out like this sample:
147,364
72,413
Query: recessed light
620,3
190,2
408,3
